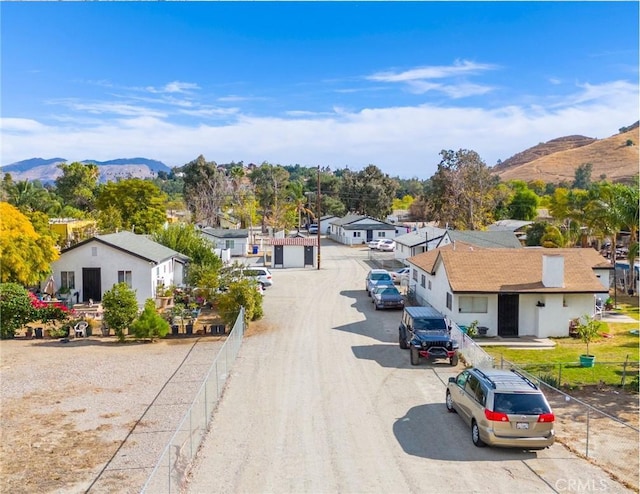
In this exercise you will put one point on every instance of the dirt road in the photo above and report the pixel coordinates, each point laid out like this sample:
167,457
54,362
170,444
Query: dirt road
325,401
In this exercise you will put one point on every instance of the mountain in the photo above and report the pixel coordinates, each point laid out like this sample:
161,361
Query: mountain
46,170
616,158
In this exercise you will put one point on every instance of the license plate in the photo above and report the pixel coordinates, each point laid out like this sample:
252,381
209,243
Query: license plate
522,425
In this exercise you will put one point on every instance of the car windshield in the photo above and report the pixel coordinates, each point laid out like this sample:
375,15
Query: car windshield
380,276
429,325
389,291
520,403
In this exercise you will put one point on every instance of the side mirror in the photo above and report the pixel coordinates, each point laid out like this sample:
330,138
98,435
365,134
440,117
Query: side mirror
452,380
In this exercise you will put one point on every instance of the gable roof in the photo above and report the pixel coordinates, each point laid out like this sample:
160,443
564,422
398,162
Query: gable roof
309,241
420,236
349,219
508,225
510,270
485,239
226,232
137,245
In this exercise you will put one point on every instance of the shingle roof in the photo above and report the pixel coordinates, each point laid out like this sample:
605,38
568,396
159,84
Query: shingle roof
508,225
486,239
295,241
420,236
226,232
510,270
138,245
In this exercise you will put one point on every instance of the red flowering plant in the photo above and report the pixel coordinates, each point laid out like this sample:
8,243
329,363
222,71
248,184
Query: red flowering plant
49,312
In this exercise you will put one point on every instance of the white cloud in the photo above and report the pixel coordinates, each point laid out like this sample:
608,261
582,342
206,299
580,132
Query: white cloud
459,68
402,140
174,87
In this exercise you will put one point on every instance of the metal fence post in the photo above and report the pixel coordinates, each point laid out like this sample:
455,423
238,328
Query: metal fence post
588,419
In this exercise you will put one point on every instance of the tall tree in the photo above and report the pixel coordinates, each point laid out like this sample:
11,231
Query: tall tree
368,192
582,176
140,204
25,255
270,182
78,184
206,191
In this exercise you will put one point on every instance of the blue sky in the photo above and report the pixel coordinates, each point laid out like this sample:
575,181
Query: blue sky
312,83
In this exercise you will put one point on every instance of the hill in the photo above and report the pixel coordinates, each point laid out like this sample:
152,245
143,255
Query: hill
556,161
46,170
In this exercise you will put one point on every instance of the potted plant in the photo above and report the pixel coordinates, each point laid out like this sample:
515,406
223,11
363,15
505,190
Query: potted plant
64,293
587,330
165,295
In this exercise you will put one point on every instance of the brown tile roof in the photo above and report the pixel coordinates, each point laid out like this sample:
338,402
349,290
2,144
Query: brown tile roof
510,270
295,241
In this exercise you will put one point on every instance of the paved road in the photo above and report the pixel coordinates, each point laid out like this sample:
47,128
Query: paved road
326,402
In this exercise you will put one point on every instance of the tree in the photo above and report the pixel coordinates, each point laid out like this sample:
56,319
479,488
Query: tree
582,176
461,192
368,192
524,205
29,196
16,309
552,238
120,308
187,239
25,255
78,184
205,191
240,293
535,233
587,329
298,201
139,203
270,182
150,324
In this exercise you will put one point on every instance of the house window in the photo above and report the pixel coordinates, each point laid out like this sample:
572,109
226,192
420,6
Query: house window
382,234
429,284
449,300
68,279
125,277
473,304
229,244
94,252
423,281
356,234
414,274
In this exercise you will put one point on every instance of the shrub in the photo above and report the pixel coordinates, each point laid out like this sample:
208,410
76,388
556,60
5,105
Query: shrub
241,293
120,308
150,324
16,309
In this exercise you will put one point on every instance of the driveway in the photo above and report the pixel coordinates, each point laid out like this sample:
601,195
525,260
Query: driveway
323,400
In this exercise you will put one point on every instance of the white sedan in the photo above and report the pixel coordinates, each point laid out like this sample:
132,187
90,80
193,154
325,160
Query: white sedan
387,245
400,274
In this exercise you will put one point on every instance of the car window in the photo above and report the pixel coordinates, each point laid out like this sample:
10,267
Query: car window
380,276
472,385
461,380
429,324
520,403
480,395
389,291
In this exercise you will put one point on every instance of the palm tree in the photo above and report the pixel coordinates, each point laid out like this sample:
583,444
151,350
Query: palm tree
297,198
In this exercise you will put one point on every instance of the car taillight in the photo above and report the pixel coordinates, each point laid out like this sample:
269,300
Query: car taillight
496,416
546,417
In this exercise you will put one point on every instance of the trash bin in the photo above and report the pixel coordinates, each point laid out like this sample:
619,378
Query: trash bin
254,249
38,332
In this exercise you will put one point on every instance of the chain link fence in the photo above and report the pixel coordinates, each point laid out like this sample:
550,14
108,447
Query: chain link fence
607,441
169,473
472,353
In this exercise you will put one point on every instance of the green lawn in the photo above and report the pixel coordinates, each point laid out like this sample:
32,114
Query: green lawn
561,364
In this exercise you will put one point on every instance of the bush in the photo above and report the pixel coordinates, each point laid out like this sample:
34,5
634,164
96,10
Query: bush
242,293
16,309
150,324
120,308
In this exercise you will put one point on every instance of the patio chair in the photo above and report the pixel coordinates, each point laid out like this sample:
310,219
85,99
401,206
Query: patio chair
80,329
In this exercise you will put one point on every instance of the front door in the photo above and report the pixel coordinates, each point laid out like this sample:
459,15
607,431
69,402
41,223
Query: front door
508,314
369,235
308,255
278,255
91,284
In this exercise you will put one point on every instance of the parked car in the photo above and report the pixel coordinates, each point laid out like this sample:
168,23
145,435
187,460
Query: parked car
387,245
387,297
261,274
373,244
503,408
377,277
426,333
313,228
400,274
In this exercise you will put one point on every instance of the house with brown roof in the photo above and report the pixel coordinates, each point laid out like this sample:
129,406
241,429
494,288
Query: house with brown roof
294,252
512,292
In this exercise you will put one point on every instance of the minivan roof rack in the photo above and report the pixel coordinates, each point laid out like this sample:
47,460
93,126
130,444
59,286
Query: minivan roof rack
525,378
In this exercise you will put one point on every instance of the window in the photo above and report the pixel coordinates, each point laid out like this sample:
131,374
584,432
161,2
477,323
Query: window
382,234
229,244
473,304
68,279
414,274
449,300
94,252
124,277
357,234
429,284
423,280
472,385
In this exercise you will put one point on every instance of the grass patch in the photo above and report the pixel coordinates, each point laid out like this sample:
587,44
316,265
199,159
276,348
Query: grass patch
560,365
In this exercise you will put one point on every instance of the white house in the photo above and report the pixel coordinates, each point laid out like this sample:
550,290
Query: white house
324,225
237,241
417,241
92,267
513,292
355,229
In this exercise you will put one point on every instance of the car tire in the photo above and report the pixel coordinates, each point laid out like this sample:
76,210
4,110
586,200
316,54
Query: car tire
449,403
475,435
454,360
402,341
415,356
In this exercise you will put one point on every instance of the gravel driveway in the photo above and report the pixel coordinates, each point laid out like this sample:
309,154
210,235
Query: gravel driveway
325,401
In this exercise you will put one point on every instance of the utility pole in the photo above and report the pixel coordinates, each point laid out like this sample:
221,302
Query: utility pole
318,215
